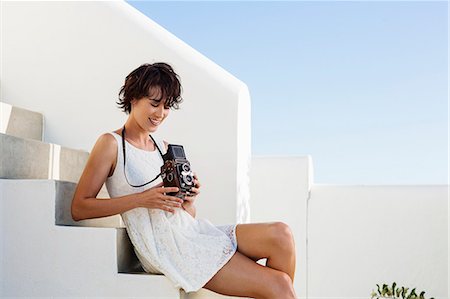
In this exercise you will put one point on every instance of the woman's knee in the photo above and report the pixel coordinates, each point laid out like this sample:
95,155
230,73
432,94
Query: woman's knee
282,235
281,287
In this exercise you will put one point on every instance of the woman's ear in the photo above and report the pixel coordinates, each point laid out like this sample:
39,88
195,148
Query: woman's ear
133,102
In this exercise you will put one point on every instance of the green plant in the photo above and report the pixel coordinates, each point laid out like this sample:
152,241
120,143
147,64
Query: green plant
392,292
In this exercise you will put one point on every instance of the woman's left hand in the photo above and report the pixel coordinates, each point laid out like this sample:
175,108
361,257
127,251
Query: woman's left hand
190,199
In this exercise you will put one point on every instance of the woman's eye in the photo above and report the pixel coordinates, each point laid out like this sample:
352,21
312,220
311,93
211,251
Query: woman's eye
155,105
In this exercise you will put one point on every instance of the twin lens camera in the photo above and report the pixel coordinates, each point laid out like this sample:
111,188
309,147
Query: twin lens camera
176,171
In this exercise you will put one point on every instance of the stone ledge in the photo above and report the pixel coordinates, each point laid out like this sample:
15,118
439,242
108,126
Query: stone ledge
20,122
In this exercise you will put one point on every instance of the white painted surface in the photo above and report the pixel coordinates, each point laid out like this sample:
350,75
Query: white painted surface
74,57
40,259
5,114
363,235
279,189
349,238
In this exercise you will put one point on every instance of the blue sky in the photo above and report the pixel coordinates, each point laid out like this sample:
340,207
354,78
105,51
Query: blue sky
362,87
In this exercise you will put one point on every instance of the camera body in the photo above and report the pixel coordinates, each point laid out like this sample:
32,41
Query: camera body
176,171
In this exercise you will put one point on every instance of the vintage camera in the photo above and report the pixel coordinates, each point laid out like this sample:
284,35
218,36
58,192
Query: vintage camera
176,171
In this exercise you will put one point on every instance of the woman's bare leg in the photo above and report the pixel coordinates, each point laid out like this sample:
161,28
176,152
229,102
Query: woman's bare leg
241,276
273,241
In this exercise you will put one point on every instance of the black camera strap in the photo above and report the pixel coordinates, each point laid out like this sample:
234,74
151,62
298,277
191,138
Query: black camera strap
124,160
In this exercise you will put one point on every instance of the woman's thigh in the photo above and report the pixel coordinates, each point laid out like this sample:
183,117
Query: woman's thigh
241,276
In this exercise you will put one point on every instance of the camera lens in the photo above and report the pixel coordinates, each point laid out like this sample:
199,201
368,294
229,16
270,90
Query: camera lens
188,179
169,177
186,167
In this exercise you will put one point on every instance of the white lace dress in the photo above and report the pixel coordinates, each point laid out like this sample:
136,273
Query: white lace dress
187,250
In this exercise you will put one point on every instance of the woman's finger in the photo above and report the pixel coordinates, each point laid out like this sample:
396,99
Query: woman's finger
197,183
168,189
169,209
158,185
172,198
171,203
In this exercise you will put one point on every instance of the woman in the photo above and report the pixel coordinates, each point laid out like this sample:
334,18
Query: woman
167,238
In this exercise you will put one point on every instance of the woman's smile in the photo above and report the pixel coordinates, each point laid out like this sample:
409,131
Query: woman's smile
154,122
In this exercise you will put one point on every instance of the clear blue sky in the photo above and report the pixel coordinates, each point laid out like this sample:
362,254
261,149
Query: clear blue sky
360,86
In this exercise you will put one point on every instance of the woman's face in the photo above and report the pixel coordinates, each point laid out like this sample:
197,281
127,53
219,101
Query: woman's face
150,111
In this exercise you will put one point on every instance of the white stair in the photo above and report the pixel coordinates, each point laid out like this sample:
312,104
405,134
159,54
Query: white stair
20,122
41,259
63,215
22,158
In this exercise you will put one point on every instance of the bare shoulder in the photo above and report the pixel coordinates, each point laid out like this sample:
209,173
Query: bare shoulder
106,143
166,144
104,154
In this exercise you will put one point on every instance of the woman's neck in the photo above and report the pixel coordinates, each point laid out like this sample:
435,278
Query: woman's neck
136,134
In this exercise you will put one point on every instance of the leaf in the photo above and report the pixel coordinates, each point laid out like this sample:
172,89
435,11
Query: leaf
389,292
406,292
385,289
422,295
373,294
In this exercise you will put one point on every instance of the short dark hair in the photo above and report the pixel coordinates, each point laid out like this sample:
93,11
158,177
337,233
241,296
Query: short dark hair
138,84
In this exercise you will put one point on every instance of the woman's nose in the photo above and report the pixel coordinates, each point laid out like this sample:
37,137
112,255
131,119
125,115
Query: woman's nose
160,110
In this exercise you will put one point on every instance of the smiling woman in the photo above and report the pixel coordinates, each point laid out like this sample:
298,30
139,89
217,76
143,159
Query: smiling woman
166,236
139,83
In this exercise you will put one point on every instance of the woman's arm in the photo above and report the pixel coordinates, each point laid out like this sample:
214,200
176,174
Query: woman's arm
85,205
101,161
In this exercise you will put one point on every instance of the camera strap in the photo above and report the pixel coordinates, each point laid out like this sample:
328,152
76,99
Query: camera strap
124,159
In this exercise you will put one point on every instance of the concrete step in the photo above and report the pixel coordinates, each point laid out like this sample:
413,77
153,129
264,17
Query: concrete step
42,259
20,122
63,215
31,159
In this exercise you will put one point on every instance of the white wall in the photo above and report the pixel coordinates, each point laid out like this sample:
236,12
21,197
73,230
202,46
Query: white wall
68,60
363,235
349,238
279,189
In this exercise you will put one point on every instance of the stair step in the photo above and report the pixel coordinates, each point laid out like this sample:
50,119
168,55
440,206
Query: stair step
127,261
20,122
31,159
63,215
64,258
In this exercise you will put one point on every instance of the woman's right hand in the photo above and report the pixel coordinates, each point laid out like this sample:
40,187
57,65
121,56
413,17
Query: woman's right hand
156,198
